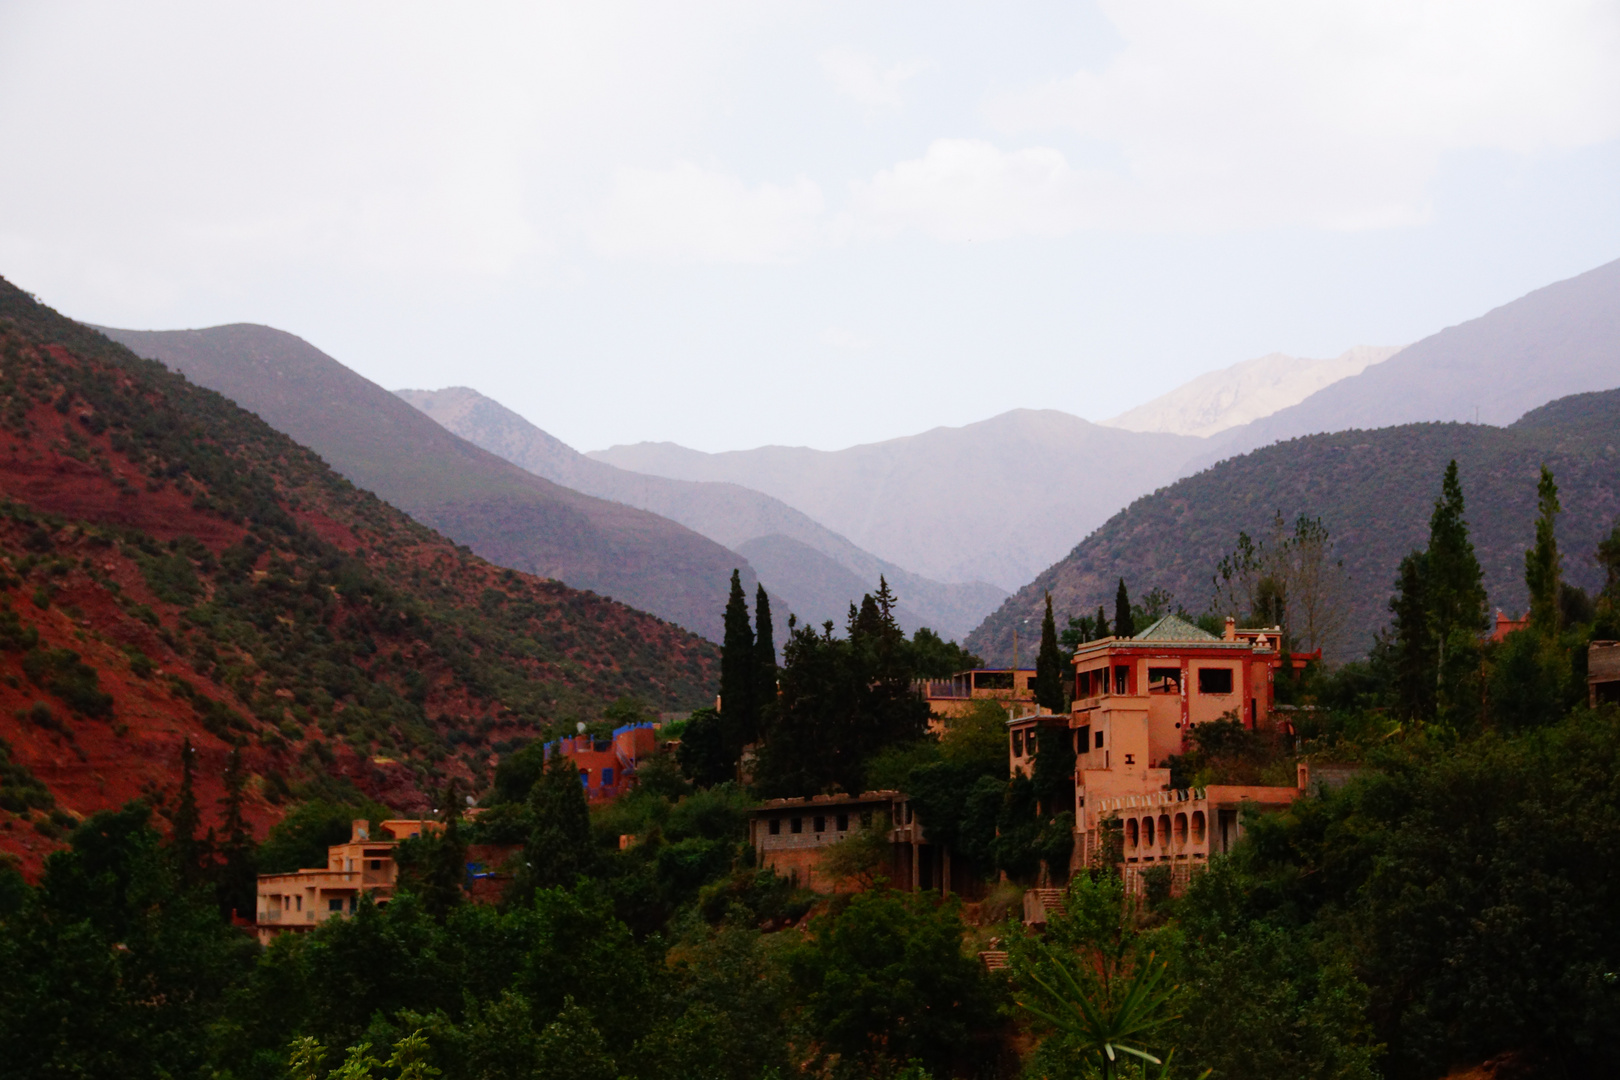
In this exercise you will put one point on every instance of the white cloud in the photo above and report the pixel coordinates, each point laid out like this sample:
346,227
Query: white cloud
862,78
687,213
968,189
1232,115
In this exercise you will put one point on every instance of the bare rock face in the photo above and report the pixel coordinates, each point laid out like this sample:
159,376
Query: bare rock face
1246,392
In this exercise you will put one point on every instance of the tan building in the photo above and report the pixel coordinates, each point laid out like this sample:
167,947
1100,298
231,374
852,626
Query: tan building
301,899
792,837
1602,673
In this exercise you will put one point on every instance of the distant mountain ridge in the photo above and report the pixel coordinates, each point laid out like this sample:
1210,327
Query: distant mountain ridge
1246,392
993,501
1559,340
812,571
503,513
1374,491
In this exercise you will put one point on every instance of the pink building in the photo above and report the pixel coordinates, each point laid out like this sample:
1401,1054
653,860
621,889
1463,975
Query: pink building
1136,700
607,768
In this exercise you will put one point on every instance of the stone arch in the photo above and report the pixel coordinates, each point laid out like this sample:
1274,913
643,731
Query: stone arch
1131,833
1198,827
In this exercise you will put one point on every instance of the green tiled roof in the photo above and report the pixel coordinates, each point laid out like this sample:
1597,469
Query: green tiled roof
1174,628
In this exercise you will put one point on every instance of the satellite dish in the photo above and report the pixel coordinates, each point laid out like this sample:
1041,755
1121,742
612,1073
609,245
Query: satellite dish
580,727
470,800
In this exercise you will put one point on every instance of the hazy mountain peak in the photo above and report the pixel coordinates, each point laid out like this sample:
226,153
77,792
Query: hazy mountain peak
1246,392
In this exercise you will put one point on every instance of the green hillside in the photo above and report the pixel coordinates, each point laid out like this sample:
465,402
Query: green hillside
1373,490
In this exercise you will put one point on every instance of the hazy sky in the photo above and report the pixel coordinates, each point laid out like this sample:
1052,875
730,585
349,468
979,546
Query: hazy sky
733,224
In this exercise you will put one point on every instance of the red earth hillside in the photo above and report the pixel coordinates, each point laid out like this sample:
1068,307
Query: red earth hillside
173,569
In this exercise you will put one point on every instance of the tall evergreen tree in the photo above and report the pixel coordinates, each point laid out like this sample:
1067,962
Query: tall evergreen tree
764,660
1124,622
1102,623
1454,585
1608,557
238,873
1542,570
186,821
1413,651
1454,581
1049,666
739,681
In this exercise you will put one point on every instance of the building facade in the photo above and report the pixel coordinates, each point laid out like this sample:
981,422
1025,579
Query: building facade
607,767
1136,701
793,836
302,899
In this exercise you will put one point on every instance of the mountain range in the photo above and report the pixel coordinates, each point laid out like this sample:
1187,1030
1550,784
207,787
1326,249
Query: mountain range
1374,491
993,501
500,511
809,570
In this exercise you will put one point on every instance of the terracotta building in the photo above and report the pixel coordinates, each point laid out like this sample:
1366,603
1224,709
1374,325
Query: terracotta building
1008,687
1135,701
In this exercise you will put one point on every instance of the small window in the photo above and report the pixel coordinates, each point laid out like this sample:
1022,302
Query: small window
584,778
776,826
821,824
1099,740
1018,744
796,825
1166,680
1214,680
1121,675
607,777
1082,739
376,864
335,904
843,823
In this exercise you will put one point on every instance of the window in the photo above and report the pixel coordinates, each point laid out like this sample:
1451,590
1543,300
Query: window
1170,677
1082,739
1099,740
796,825
335,904
1214,680
585,778
866,819
821,824
1018,744
607,777
843,823
376,864
1121,675
776,826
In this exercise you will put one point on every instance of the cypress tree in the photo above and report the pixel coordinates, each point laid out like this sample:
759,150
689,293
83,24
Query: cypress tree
738,679
1124,623
186,820
764,661
1414,651
238,875
1454,582
1542,570
1049,680
1102,623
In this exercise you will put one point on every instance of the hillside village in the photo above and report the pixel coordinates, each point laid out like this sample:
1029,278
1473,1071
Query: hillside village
393,795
